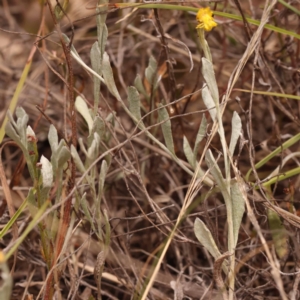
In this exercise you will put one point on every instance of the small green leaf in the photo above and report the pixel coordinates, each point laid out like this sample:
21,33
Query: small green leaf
279,234
166,126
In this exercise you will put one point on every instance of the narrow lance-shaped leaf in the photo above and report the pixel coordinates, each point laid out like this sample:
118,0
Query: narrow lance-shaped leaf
188,152
47,172
101,28
77,160
102,177
62,156
205,237
151,70
134,103
235,133
82,108
108,77
138,83
215,170
163,117
86,211
99,127
210,79
238,209
96,65
209,102
200,135
53,138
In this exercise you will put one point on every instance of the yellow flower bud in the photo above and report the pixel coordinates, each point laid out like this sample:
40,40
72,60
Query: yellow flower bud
205,19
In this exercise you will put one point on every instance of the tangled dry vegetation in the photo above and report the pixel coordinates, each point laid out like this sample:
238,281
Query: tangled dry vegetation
128,195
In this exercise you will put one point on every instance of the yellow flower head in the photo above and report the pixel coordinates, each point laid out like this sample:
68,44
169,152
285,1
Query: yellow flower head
205,19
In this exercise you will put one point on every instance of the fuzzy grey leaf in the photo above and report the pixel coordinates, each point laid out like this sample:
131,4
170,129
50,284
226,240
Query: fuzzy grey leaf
53,138
86,211
200,135
109,78
93,150
99,128
138,83
11,132
63,155
235,133
163,116
151,70
102,177
77,159
210,79
188,152
205,237
134,102
215,170
209,102
82,108
238,209
47,172
101,28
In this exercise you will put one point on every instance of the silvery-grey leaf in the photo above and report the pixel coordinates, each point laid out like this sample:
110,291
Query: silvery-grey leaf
134,102
210,79
108,77
47,172
77,159
82,108
205,237
236,131
209,102
215,170
138,83
200,135
151,70
166,126
63,155
238,209
53,138
188,152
